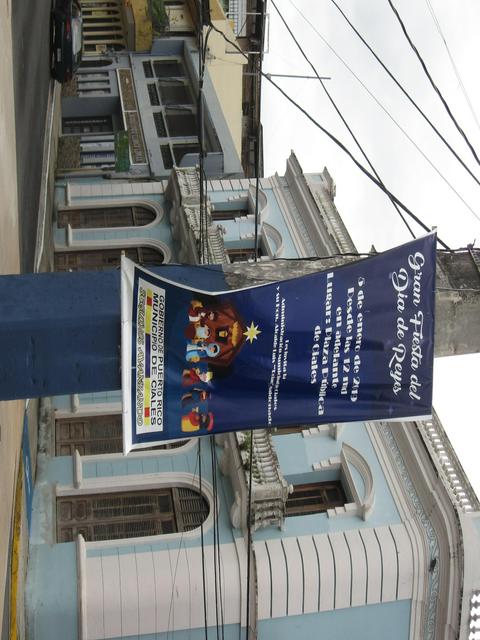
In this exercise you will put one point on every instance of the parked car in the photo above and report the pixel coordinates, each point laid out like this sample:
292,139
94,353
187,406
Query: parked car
67,39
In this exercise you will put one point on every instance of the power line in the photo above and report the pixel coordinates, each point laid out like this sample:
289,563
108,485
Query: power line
342,146
215,531
202,542
258,145
434,86
339,113
385,110
202,241
452,61
406,94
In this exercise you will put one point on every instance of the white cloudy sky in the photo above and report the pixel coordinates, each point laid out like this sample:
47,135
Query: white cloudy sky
367,212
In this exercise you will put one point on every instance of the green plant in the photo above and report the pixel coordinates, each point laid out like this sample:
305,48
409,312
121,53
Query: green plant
159,15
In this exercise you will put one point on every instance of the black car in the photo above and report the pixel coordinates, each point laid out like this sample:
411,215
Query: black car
67,39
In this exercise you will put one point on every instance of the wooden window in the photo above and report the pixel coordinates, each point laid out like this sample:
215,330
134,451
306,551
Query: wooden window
97,260
90,435
131,514
94,435
228,214
284,431
243,254
105,217
315,497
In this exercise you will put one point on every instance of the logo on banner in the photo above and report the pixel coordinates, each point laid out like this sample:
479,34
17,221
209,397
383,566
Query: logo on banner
150,357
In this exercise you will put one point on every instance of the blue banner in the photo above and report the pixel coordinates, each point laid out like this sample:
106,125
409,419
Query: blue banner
347,344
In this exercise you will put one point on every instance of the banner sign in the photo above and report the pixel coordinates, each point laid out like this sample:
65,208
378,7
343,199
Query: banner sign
348,344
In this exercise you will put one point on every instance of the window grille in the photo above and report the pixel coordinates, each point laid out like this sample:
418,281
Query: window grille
98,260
160,124
95,435
129,514
147,69
105,218
166,156
153,94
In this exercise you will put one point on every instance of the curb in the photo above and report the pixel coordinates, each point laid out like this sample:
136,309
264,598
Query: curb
48,167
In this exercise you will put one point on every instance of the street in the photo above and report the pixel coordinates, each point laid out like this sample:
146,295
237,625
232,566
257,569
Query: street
31,81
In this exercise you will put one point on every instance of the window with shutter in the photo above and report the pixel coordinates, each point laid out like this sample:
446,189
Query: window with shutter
105,217
284,431
97,260
94,435
315,497
129,514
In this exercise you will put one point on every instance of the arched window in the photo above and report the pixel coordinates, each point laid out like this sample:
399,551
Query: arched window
129,514
105,217
100,259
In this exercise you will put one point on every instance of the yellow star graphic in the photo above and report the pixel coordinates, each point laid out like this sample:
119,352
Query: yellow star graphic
252,332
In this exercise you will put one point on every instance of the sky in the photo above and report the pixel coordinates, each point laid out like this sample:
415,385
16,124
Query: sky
443,195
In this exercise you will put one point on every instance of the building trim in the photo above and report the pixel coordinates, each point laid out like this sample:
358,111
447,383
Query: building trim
427,511
361,506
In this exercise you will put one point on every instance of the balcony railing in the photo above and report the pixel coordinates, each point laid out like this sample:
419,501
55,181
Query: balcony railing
269,488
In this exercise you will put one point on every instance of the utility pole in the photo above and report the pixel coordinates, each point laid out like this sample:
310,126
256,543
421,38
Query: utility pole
60,332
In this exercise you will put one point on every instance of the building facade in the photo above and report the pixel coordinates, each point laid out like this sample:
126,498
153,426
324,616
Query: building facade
364,529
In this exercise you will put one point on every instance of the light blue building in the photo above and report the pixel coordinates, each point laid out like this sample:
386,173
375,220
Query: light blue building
364,530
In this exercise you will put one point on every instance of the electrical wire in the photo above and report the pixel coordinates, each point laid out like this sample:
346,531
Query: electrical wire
215,526
343,147
452,61
219,558
384,109
430,79
258,145
176,566
202,542
339,113
203,241
406,94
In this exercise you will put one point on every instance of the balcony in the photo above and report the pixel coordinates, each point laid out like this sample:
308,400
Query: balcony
183,191
269,488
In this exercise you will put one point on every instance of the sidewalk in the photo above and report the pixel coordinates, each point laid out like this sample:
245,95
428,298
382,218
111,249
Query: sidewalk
11,413
13,475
